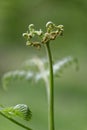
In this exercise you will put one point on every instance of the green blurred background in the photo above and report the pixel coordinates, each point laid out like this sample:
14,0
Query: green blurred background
71,88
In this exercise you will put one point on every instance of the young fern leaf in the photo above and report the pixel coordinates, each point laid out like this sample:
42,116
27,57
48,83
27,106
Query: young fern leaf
64,63
15,75
36,69
31,70
20,110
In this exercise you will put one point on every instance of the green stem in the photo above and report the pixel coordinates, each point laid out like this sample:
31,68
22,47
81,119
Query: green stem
50,91
16,122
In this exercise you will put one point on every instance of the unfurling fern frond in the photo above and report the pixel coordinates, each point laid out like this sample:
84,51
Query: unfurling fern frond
37,69
20,110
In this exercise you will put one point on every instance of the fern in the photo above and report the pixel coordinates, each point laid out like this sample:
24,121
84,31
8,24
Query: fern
20,110
14,75
36,69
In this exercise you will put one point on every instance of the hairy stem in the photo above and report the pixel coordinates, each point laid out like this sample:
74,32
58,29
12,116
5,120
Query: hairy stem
50,91
16,122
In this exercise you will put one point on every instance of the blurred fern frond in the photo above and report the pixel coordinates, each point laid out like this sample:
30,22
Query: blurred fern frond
61,65
14,75
36,69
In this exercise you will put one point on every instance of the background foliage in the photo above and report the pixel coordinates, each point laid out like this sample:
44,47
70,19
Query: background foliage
71,88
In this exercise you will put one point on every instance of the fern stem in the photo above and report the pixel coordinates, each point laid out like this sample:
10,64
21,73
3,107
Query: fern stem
16,122
50,91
